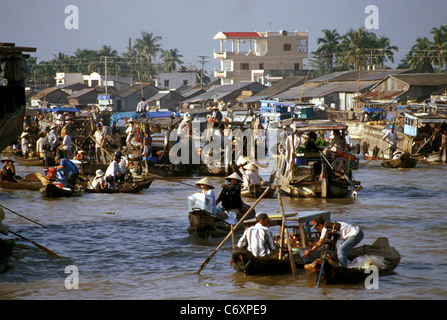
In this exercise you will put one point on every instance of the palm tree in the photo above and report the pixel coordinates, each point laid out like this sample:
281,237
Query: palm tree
421,55
440,46
353,49
328,47
384,50
148,46
170,59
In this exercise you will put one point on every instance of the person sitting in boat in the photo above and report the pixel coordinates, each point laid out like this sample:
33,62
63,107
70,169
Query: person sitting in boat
207,190
99,181
336,143
67,172
349,234
8,171
230,196
251,176
258,239
309,142
113,172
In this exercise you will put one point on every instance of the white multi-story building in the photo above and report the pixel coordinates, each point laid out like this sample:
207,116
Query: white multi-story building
264,57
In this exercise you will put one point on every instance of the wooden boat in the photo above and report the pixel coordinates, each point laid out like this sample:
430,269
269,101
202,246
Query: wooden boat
300,233
30,182
125,188
333,273
22,184
315,175
203,224
404,161
53,191
34,161
255,191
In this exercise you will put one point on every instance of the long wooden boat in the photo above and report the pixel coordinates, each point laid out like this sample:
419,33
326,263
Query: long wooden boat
300,233
126,188
333,273
34,161
22,184
255,191
405,161
53,191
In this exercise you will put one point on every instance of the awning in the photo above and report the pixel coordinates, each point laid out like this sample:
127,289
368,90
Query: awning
372,110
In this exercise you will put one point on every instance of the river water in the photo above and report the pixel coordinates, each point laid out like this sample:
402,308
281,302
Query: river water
143,251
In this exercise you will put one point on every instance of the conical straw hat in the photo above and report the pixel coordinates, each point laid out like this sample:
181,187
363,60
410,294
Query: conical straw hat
251,167
234,175
204,181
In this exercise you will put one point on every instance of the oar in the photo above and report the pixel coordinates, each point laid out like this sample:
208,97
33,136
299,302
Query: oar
41,247
284,227
231,232
24,217
322,267
165,178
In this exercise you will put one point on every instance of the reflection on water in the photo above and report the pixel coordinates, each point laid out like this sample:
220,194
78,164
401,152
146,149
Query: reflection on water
143,251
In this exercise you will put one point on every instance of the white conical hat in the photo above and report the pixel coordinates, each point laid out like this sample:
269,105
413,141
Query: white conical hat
241,160
205,181
234,175
251,167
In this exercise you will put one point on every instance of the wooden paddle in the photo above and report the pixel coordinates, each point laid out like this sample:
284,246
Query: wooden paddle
41,247
231,232
24,217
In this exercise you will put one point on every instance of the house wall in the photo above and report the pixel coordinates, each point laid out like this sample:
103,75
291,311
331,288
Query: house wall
129,103
176,79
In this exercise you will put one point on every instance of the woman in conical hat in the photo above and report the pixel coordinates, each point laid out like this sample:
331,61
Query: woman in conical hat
230,195
233,176
207,189
204,182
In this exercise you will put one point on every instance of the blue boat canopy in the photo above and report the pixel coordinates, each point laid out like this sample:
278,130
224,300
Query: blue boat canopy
372,110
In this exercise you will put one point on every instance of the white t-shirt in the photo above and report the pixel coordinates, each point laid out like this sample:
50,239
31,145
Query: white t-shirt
346,230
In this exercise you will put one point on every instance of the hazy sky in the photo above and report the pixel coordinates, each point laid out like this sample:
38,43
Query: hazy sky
189,25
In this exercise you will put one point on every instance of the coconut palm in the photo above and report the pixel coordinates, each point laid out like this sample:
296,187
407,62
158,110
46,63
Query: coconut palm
170,60
354,48
384,50
440,46
328,47
421,55
148,47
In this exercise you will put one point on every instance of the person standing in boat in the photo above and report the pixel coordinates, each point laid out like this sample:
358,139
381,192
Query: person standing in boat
230,196
52,136
65,147
258,239
336,143
8,171
207,190
25,144
349,234
391,138
43,147
100,140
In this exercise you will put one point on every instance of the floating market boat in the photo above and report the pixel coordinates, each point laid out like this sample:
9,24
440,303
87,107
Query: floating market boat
255,191
320,174
380,254
125,188
300,234
54,190
34,161
404,161
22,184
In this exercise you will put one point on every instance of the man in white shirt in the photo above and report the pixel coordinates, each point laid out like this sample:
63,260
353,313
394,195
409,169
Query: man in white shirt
392,138
100,139
113,173
52,136
65,147
258,239
141,106
349,234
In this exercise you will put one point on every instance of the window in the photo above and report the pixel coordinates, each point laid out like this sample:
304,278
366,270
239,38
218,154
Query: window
261,66
245,66
287,47
297,66
185,82
302,45
166,83
95,83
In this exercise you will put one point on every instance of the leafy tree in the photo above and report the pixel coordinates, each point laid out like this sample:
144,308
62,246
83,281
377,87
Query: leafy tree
170,59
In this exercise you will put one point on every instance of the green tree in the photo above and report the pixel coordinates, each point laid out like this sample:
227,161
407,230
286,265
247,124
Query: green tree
170,60
421,56
327,47
440,46
148,47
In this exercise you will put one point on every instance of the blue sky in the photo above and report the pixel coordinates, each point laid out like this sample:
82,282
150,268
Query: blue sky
189,25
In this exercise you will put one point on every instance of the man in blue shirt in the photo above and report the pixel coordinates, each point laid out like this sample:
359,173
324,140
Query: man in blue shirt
67,171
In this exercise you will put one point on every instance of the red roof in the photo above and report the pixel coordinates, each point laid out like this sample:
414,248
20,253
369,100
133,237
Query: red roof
242,34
